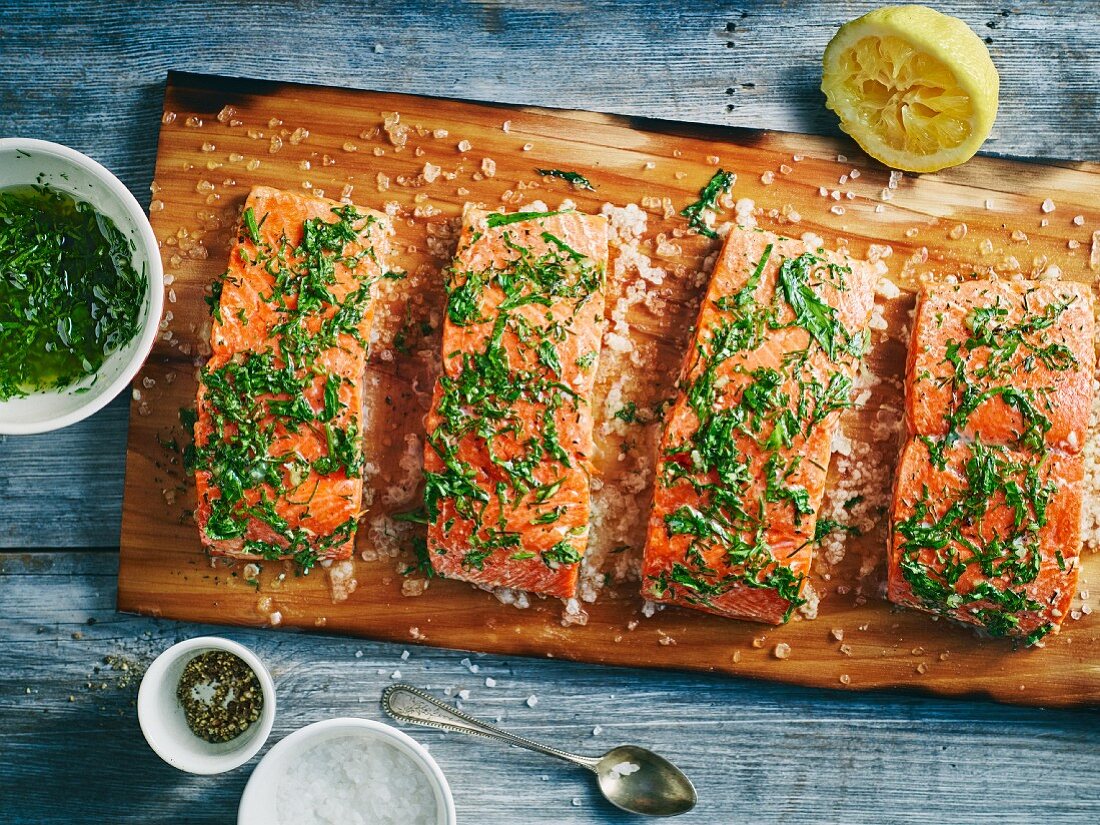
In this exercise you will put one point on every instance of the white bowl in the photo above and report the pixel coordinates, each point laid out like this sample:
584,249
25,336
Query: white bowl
165,725
24,161
258,803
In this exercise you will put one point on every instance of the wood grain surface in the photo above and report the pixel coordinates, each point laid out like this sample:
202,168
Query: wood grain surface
488,153
73,752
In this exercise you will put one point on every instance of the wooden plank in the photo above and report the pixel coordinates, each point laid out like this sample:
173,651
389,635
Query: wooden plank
664,58
164,573
858,759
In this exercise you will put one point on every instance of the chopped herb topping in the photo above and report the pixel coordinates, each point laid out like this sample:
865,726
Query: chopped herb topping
498,219
257,399
718,185
507,396
738,461
942,541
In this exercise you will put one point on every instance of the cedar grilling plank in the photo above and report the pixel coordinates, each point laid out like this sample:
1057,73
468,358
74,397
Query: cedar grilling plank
279,405
510,428
746,446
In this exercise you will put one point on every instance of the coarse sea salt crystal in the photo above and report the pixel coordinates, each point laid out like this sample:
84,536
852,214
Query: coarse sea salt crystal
354,779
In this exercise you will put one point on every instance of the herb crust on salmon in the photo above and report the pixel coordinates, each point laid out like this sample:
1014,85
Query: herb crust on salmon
509,434
278,452
987,504
746,446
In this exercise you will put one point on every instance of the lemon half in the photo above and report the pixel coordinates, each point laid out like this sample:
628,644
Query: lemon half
915,88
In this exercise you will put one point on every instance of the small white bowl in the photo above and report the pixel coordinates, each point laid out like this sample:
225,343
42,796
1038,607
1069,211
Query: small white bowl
258,803
25,161
165,725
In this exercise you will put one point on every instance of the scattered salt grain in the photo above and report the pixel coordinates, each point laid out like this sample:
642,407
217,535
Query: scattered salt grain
596,731
464,694
396,674
1078,220
782,651
354,779
490,682
625,768
532,700
1048,206
404,655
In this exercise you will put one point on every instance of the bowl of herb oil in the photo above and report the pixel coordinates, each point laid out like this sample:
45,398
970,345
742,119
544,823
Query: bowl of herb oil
81,286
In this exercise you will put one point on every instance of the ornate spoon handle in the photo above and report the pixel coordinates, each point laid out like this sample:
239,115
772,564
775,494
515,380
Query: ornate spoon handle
408,704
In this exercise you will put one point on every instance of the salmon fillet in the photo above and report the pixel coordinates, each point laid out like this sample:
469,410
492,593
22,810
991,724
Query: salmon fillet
746,445
987,500
507,458
278,429
988,536
1002,356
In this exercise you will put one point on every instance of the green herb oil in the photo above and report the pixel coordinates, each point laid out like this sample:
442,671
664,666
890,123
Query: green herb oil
69,293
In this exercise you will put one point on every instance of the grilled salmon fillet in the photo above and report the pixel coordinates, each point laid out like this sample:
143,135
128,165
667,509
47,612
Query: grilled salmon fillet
988,497
996,360
746,446
987,534
509,434
277,434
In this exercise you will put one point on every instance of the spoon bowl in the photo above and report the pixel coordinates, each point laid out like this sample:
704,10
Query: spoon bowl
631,778
642,782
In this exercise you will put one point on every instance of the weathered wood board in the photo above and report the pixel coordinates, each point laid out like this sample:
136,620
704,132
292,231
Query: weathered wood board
984,217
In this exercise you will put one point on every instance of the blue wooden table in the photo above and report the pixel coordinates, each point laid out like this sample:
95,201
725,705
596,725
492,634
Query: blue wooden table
91,76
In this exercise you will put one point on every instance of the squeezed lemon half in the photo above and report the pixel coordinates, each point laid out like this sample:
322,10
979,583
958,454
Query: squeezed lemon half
915,88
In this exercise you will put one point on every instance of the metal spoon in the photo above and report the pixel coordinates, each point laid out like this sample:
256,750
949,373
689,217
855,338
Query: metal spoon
631,778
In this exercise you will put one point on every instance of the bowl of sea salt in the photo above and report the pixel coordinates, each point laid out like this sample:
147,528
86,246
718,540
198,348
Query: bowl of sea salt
347,772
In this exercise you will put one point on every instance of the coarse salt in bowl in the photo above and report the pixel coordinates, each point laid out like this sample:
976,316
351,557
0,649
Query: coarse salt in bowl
347,771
